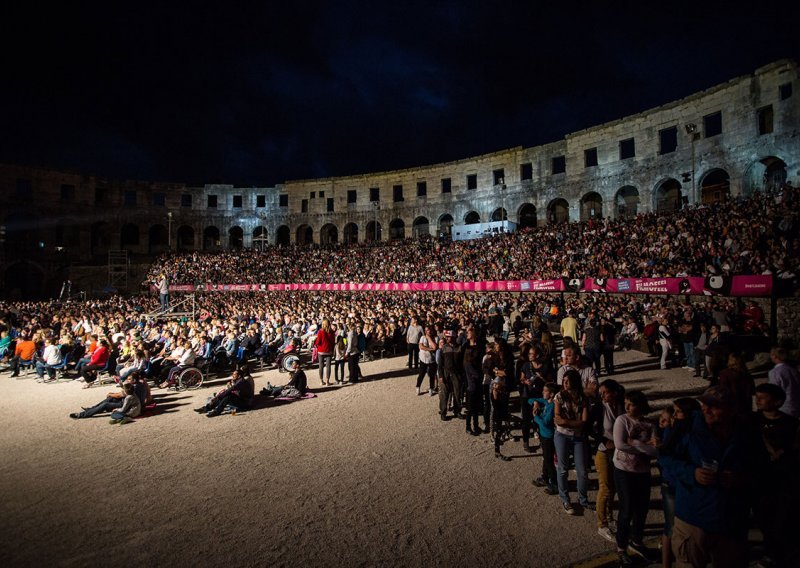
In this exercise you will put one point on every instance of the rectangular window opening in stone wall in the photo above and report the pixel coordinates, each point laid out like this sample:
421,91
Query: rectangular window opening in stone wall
668,140
67,192
712,124
186,200
499,177
23,188
447,185
590,157
526,171
129,197
422,189
352,196
765,120
313,195
237,201
627,149
261,200
559,165
472,181
212,202
785,91
397,193
159,199
321,194
329,205
283,200
304,206
374,194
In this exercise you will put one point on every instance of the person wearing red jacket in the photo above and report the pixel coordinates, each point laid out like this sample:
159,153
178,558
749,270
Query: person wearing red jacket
324,343
96,363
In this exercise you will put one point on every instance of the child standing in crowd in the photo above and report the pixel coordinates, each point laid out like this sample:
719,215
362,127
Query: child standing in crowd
544,416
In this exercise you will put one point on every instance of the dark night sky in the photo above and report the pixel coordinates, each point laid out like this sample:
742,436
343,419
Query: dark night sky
277,91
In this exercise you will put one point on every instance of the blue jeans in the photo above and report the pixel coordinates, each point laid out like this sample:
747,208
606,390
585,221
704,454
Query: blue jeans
41,367
575,445
688,350
164,302
104,406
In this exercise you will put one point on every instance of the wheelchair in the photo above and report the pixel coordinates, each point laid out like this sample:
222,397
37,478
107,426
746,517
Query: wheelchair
192,377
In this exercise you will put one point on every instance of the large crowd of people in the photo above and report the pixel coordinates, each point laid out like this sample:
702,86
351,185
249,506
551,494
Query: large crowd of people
537,369
756,235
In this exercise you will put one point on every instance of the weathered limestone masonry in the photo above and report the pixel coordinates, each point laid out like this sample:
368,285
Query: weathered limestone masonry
732,139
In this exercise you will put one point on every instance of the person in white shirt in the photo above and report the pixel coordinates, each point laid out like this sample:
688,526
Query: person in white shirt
50,357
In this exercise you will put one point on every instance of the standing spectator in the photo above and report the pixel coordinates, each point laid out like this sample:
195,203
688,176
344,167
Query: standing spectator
712,465
353,353
544,415
736,378
608,336
612,397
569,327
413,334
427,360
571,415
473,379
634,447
324,343
340,356
451,382
163,291
786,377
664,340
591,343
687,336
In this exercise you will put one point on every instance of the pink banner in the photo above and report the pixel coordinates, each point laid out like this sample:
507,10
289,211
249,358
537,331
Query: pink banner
691,285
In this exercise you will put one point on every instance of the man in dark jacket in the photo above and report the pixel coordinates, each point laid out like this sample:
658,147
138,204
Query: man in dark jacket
715,465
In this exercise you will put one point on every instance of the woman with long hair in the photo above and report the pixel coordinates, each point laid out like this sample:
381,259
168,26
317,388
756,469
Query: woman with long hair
612,395
572,414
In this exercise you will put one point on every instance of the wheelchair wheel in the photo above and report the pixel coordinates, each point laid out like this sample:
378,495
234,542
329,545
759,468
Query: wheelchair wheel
190,379
288,362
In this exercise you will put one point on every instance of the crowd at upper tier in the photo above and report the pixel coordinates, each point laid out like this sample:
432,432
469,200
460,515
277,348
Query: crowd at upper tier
755,235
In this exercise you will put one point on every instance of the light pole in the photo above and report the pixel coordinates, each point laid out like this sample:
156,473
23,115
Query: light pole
691,128
169,230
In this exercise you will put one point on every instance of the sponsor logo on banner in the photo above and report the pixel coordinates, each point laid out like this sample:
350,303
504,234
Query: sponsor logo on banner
623,285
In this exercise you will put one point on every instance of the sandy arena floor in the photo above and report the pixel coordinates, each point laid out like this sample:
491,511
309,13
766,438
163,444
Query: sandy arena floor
363,475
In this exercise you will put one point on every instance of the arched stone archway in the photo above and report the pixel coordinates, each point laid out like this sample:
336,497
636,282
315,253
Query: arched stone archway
527,216
627,202
715,186
374,232
445,225
767,174
350,234
328,234
211,238
667,196
421,228
260,238
558,211
129,236
591,206
472,218
185,238
499,214
100,238
283,236
235,237
157,239
397,230
304,235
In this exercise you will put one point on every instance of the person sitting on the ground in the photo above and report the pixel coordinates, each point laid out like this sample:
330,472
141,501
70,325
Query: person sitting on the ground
130,409
115,399
295,388
50,358
238,393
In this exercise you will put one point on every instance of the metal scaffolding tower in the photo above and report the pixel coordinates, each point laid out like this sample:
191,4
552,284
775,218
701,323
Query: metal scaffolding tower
118,268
